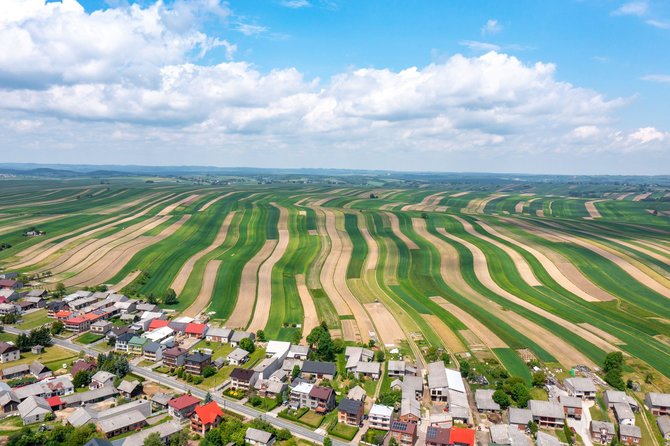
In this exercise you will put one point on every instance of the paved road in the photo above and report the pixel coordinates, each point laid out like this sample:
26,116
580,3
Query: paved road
226,403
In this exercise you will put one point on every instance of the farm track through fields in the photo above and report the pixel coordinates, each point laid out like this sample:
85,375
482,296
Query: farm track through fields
311,318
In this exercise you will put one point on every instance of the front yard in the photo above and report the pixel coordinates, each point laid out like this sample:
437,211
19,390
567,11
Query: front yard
34,320
343,431
88,338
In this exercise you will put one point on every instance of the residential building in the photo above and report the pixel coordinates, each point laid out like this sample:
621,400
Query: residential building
160,400
630,434
321,399
122,342
164,430
357,393
85,415
583,388
318,369
11,284
350,412
299,396
237,336
400,369
544,439
174,357
439,436
7,308
9,402
354,355
16,371
298,352
624,414
280,348
547,414
611,397
411,383
658,403
101,326
380,417
441,380
206,417
410,409
101,379
460,436
242,378
54,307
572,406
237,357
34,409
153,351
519,418
136,345
269,387
218,334
602,432
58,386
130,389
196,363
122,423
484,401
404,433
367,369
88,397
664,427
508,435
257,437
182,406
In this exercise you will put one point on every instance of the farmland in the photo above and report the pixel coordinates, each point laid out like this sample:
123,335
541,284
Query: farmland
566,272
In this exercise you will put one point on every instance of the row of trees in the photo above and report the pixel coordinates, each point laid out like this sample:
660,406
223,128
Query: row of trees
38,336
322,346
232,431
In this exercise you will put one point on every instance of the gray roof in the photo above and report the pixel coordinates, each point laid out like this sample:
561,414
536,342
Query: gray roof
520,416
623,412
161,398
571,401
152,347
257,435
630,431
664,424
616,396
165,430
62,383
319,368
599,426
92,395
121,420
357,393
437,376
238,354
356,354
128,386
659,399
219,332
103,376
410,406
239,335
543,439
546,409
413,382
33,405
36,293
299,350
581,384
21,368
81,416
505,434
350,406
98,442
368,367
7,397
484,400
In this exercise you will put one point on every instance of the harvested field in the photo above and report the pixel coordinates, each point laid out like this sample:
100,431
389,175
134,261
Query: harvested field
211,202
481,331
373,250
624,196
264,296
592,210
641,197
206,289
449,338
518,208
388,206
126,280
184,202
459,194
477,205
388,330
395,227
311,318
602,333
27,223
184,273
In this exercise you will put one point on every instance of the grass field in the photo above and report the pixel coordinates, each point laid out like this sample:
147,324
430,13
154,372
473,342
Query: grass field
452,260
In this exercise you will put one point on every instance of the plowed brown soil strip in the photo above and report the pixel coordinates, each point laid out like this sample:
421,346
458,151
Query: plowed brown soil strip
451,341
387,327
27,223
264,295
311,318
211,202
387,206
373,250
47,202
206,289
395,227
477,205
185,202
180,280
450,269
641,196
559,268
484,276
602,333
525,271
483,332
518,208
126,280
591,208
459,194
624,196
246,299
106,210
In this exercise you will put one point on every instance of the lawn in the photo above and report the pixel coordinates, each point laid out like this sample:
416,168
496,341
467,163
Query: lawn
34,320
343,431
4,337
88,338
372,435
266,404
53,357
311,419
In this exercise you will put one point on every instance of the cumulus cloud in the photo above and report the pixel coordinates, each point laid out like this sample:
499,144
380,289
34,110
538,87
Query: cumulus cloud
491,27
476,45
81,88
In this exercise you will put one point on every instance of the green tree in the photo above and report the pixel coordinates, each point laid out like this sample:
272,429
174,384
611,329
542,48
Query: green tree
82,379
57,327
520,394
296,337
179,439
503,399
539,378
379,356
153,439
60,289
533,428
248,345
295,372
208,398
260,336
327,441
170,297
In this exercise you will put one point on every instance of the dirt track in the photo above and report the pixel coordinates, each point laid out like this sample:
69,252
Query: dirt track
264,295
206,289
451,272
180,280
311,318
246,298
395,227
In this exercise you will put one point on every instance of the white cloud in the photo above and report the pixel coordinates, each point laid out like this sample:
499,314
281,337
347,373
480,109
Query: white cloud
249,29
664,78
296,4
658,24
476,45
646,135
491,27
636,8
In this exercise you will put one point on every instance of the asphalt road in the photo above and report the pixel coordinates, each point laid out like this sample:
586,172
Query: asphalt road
226,403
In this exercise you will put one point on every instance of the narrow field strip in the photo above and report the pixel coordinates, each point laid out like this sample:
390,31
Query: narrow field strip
108,266
387,328
592,209
561,270
395,227
518,208
525,271
450,340
180,280
311,318
27,223
206,289
641,197
126,281
488,337
450,269
211,202
264,290
372,258
459,194
106,210
246,298
47,202
484,276
477,205
602,333
184,202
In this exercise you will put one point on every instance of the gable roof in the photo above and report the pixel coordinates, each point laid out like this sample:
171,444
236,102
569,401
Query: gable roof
319,368
6,347
198,357
258,435
322,393
242,374
460,435
350,406
175,351
197,329
158,323
209,412
183,401
401,426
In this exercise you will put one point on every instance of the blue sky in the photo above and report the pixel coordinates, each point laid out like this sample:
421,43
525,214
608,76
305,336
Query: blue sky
553,86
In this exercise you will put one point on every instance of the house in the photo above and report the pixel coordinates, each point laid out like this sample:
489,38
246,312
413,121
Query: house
237,357
182,406
11,284
37,292
318,369
174,357
139,408
367,369
270,387
58,386
26,305
126,307
237,336
441,380
101,326
130,389
602,432
400,369
178,327
321,399
218,334
155,324
380,417
257,437
82,365
6,308
122,341
9,402
298,352
658,403
54,307
34,409
505,434
546,413
280,348
8,295
583,388
101,379
136,345
611,397
160,400
195,364
629,434
153,351
404,433
458,406
16,371
624,414
460,436
357,393
122,423
242,378
299,396
439,436
350,412
664,427
77,324
414,384
88,397
39,370
164,430
194,330
219,362
484,401
354,355
269,366
63,315
519,418
410,409
118,331
144,306
572,406
206,417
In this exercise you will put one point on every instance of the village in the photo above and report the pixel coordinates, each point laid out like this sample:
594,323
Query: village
355,395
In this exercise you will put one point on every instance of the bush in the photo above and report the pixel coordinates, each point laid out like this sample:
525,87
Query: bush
209,371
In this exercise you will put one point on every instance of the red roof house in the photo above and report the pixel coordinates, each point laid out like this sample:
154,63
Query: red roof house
157,323
196,330
55,402
183,406
9,283
206,417
462,437
63,314
82,366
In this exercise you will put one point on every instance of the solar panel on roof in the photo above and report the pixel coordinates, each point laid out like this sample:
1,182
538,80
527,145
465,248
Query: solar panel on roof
399,425
431,433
